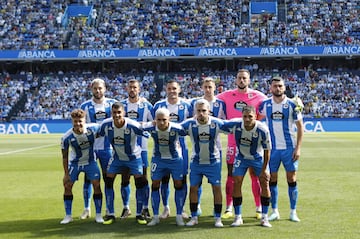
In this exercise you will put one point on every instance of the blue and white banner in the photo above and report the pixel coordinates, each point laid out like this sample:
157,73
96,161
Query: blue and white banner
61,126
35,127
166,53
332,125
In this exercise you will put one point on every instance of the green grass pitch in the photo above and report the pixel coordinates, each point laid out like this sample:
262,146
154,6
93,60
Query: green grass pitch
31,203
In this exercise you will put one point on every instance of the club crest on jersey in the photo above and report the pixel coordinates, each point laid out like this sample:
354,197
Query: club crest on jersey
216,104
163,141
172,133
100,115
255,135
240,105
141,105
88,132
127,131
277,115
84,144
181,107
119,140
250,95
132,114
212,126
204,136
174,117
286,106
245,142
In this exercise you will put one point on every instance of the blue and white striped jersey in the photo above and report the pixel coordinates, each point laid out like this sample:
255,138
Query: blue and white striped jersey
81,145
166,143
96,113
179,112
250,144
203,137
124,139
281,119
141,111
217,107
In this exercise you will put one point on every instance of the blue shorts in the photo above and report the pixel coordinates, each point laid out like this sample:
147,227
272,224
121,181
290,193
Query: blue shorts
282,156
162,167
91,170
104,157
144,157
185,154
117,166
241,166
211,171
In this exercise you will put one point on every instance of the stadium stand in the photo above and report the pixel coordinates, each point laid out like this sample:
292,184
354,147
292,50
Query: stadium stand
55,24
325,94
50,91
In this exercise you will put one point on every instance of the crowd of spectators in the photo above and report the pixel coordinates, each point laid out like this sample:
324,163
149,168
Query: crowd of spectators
55,95
37,24
58,94
124,24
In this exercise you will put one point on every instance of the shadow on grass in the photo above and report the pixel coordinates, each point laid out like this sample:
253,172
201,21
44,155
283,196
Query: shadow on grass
121,228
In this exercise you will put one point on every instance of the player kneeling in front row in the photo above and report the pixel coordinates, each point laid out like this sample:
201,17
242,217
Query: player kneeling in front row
254,144
167,159
81,140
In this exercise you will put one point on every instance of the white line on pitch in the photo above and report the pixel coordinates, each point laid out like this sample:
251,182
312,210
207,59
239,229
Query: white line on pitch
26,149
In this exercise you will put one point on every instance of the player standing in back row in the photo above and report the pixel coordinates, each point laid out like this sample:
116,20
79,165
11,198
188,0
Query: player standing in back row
217,109
140,110
97,109
179,110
